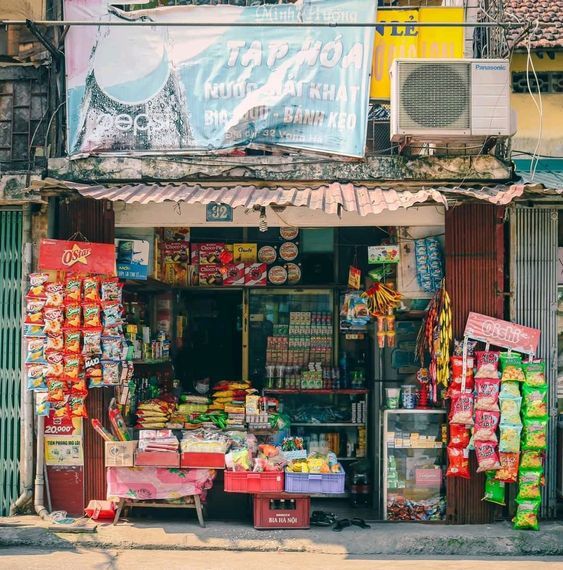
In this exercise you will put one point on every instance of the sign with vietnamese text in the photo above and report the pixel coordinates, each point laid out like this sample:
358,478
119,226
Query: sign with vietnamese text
198,89
64,451
76,256
502,333
405,40
69,426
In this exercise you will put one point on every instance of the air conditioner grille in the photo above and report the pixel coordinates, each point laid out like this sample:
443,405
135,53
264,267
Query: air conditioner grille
434,95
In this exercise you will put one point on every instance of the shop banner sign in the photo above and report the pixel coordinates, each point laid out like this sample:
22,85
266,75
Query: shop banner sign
64,451
76,256
406,40
132,258
502,333
143,89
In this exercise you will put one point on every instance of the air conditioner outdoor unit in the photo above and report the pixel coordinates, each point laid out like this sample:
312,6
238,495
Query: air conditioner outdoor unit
450,99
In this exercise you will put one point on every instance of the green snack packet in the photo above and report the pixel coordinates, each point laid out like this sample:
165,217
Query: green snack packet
511,367
534,436
534,401
529,482
534,373
494,490
531,460
527,515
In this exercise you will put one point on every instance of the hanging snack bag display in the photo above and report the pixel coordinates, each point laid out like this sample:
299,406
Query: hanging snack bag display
511,367
458,463
461,411
487,456
529,484
73,290
508,472
37,285
531,460
494,489
486,424
459,436
509,438
526,515
534,373
534,436
534,404
456,362
54,294
73,313
487,394
90,288
487,363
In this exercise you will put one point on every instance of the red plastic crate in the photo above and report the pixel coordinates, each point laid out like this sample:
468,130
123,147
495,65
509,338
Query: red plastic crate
282,510
202,460
246,482
157,458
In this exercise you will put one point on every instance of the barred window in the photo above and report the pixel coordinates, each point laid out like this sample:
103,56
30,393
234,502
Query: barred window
547,82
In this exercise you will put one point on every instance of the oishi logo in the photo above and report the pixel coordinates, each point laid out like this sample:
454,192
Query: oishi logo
75,255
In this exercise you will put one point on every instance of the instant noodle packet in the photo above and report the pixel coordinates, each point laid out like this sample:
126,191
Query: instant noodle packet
534,401
494,489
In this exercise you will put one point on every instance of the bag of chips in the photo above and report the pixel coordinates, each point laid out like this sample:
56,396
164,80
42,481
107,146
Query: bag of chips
77,407
508,389
34,312
73,290
458,347
91,316
111,290
53,320
458,463
534,401
93,367
112,314
90,290
510,409
486,424
534,372
37,285
459,436
72,338
36,377
56,389
494,489
42,404
60,409
487,456
71,366
78,387
461,411
73,316
526,517
457,373
534,434
531,460
111,348
510,438
110,373
54,294
487,393
55,364
55,342
33,331
92,341
508,472
511,367
487,363
529,481
35,352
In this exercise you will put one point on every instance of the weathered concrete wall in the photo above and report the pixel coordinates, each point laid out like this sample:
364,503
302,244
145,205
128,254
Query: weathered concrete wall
275,168
13,187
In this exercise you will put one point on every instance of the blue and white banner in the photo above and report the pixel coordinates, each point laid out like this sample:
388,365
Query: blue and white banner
152,89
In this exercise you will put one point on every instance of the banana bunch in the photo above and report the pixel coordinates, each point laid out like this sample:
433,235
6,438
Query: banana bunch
380,299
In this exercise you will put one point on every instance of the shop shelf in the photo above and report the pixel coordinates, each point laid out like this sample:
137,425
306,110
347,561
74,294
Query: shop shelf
283,391
246,482
324,483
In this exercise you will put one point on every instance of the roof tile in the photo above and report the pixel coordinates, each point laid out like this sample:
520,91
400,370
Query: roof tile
549,11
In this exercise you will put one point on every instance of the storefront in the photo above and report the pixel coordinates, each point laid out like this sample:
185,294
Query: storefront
269,307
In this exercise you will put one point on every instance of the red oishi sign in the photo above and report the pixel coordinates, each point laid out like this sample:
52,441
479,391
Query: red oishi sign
77,256
502,333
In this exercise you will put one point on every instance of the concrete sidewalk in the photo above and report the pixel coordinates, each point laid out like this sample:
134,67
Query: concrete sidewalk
397,539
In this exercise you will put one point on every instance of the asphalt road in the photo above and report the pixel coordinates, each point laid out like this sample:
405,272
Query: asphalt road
29,559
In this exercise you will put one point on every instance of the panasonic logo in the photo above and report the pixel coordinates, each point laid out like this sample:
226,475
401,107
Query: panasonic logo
480,67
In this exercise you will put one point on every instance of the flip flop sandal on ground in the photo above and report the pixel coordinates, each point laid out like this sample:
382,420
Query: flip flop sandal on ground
341,524
360,522
320,518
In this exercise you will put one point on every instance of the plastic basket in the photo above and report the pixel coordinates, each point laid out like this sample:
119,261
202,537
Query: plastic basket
314,483
246,482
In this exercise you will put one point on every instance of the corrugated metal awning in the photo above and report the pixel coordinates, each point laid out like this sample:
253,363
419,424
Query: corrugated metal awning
330,198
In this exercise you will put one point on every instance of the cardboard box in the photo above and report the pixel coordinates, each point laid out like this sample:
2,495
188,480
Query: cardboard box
256,274
176,234
210,275
245,252
157,458
120,453
176,252
234,274
209,253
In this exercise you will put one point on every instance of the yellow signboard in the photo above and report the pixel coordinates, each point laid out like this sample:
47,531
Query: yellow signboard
405,40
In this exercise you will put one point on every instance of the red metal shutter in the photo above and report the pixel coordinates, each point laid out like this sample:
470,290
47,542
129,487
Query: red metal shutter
95,220
475,280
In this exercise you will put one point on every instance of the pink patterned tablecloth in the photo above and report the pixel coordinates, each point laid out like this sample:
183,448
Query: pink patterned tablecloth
144,483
